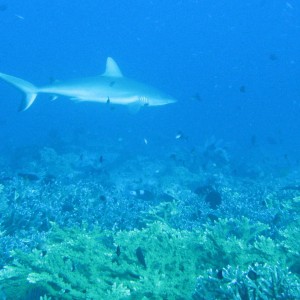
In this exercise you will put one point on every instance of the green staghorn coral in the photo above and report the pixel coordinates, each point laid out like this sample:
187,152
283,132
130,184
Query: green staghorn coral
156,262
87,265
237,242
291,234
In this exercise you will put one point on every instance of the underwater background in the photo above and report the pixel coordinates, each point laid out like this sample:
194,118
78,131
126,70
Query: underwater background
194,200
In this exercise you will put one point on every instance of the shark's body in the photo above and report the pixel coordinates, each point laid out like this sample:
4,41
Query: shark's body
111,87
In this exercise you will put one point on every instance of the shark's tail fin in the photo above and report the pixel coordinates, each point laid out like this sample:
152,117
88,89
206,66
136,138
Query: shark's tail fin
27,88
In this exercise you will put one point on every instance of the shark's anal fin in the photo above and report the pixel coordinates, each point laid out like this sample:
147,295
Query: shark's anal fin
112,69
53,98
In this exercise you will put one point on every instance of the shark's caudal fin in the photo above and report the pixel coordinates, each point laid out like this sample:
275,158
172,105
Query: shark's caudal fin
27,88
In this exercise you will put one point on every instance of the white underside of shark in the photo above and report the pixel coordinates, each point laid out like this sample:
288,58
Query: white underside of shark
111,87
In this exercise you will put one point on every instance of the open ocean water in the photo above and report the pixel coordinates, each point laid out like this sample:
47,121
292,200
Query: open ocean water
198,199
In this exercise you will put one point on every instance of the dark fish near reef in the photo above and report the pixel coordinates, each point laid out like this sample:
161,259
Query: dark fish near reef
253,275
140,256
118,251
213,199
29,176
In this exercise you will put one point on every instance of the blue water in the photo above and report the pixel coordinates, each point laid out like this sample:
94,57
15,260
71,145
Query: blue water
233,66
228,148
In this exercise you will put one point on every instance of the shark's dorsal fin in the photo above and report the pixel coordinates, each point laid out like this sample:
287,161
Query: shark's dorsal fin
112,69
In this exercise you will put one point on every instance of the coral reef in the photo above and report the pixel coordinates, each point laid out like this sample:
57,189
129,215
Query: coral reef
84,225
155,262
256,282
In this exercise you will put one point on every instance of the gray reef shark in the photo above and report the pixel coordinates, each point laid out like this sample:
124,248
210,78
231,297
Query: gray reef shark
111,87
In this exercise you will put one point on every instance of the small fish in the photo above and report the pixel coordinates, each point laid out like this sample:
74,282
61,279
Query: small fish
181,136
197,97
253,275
20,17
133,193
273,57
102,198
118,251
242,89
140,256
220,274
178,135
73,267
28,176
101,159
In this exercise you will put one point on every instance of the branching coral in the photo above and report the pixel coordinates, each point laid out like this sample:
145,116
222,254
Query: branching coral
82,265
156,262
255,282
